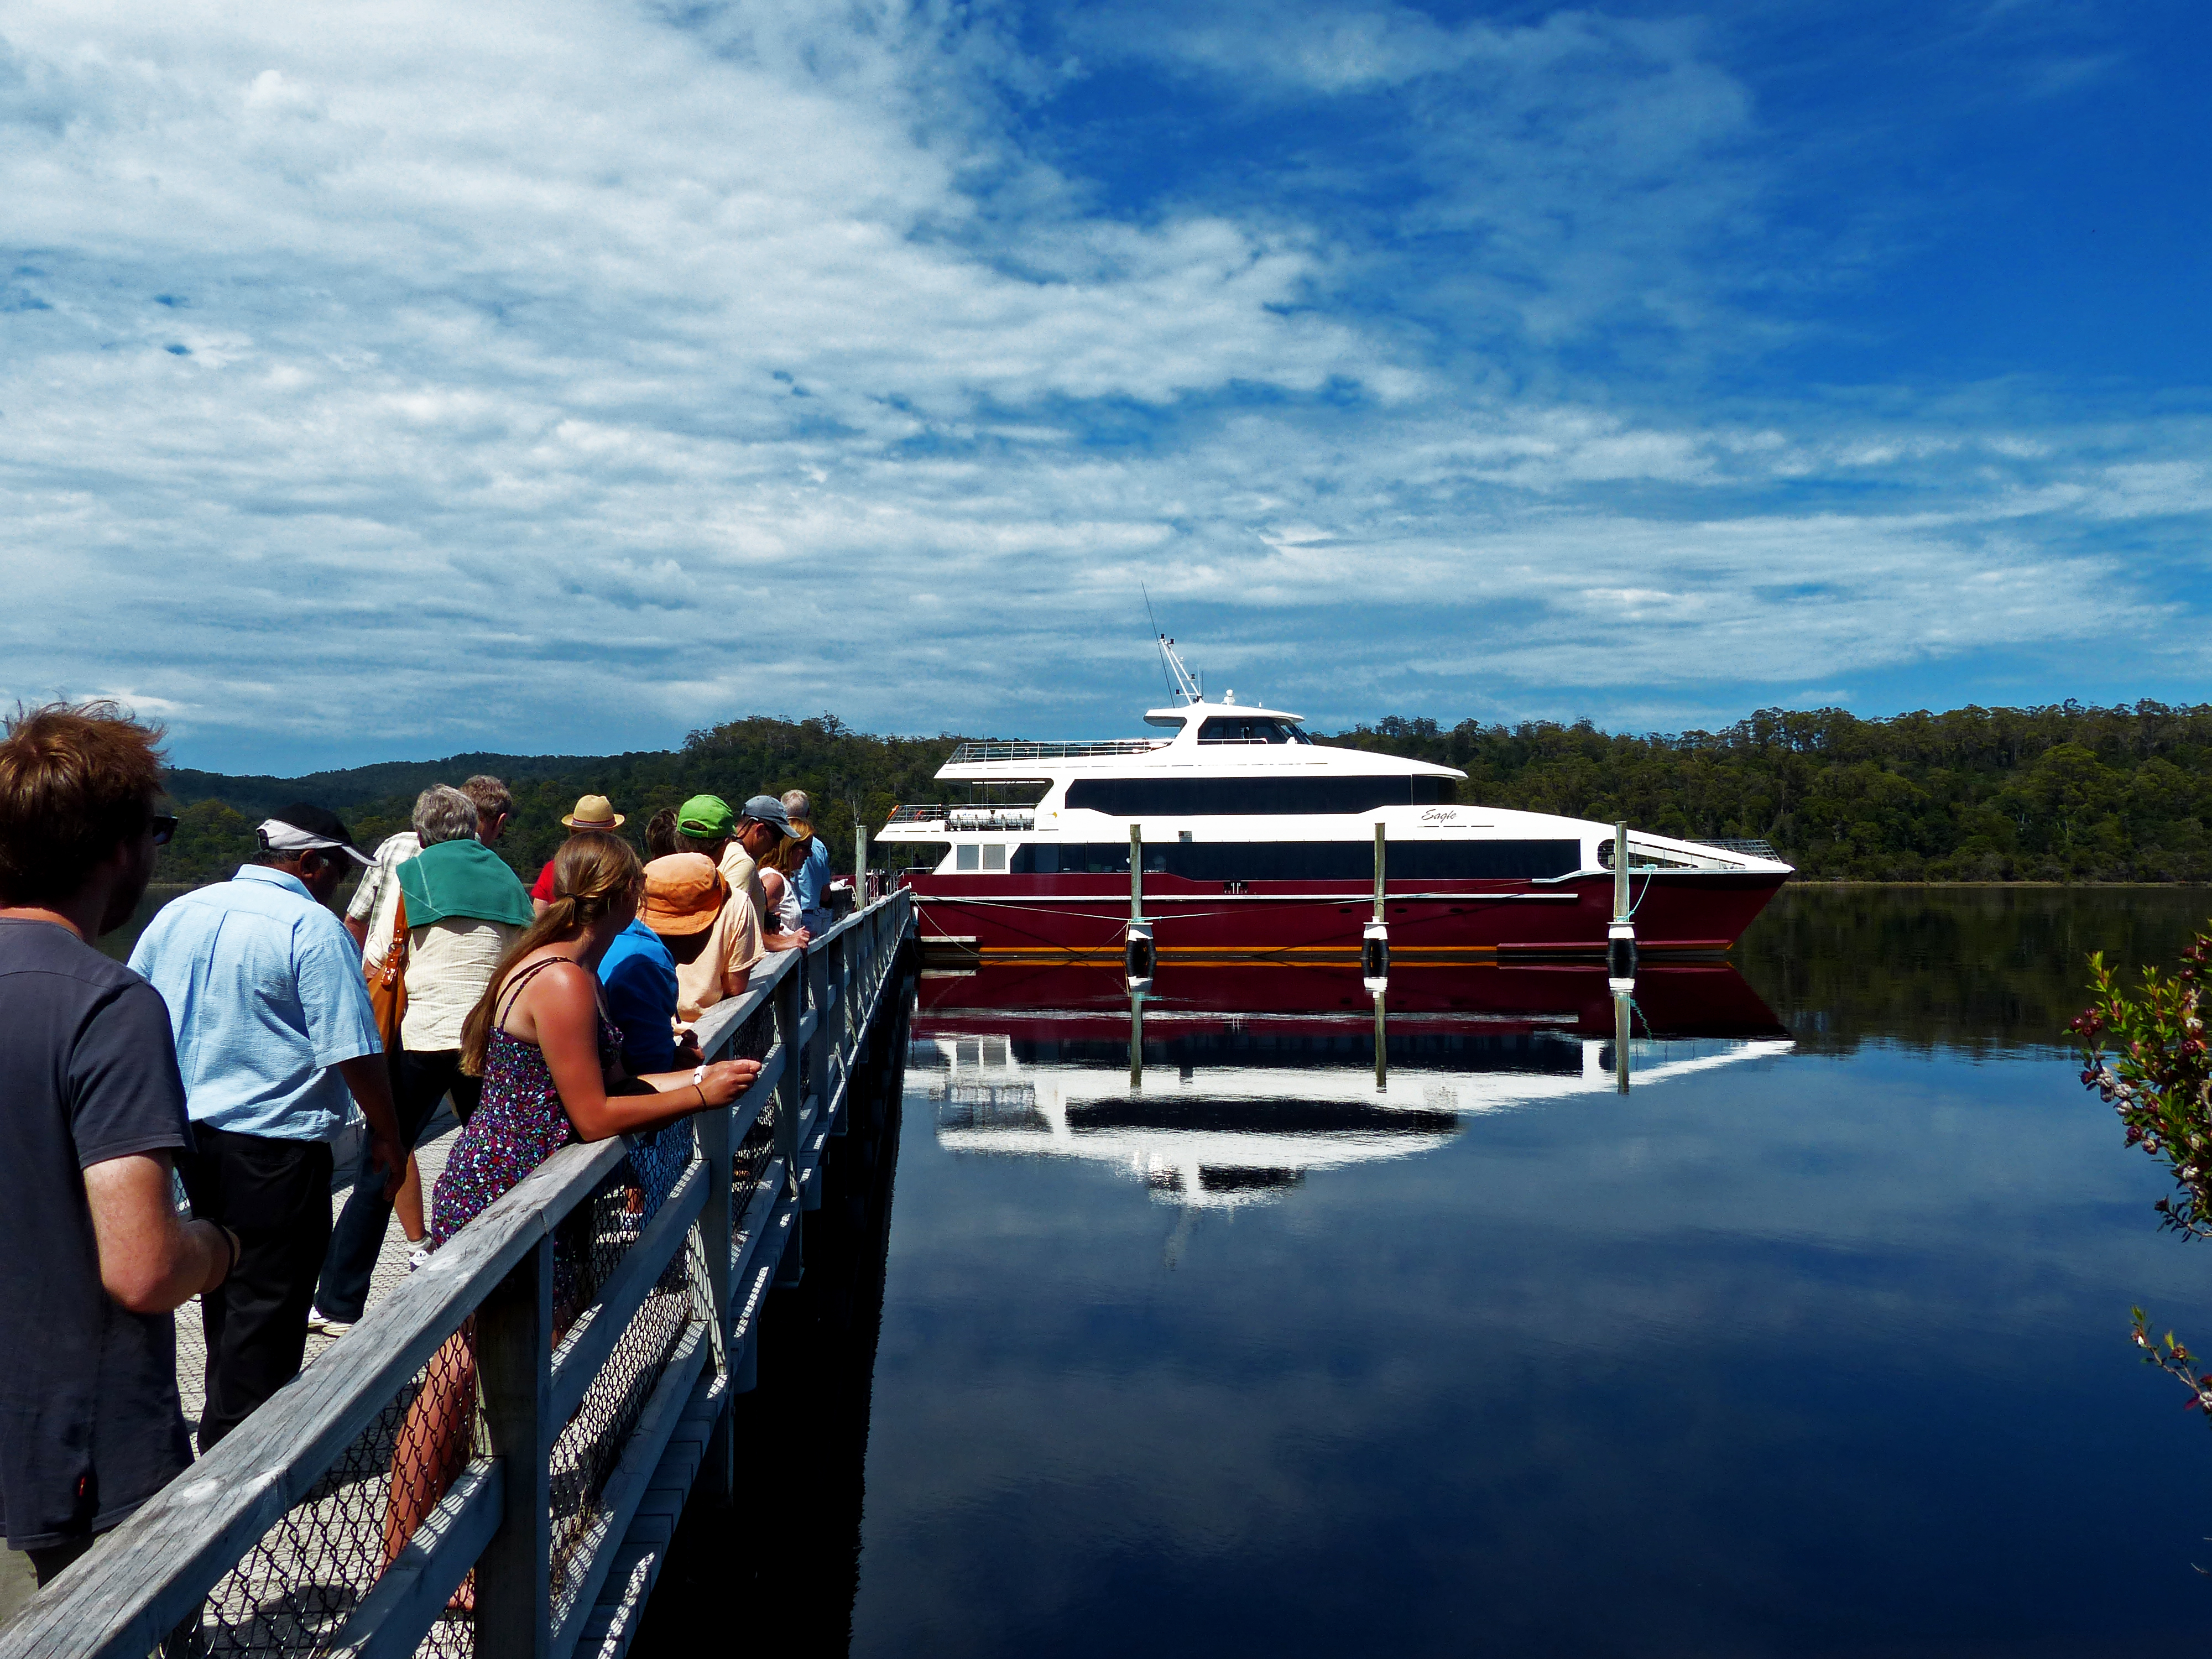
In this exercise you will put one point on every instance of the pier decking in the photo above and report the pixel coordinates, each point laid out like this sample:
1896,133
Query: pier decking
611,1304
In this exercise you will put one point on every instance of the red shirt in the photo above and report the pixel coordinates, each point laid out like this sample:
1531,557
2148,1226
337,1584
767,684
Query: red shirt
542,887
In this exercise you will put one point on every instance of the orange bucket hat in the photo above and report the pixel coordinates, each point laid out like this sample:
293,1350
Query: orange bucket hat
684,893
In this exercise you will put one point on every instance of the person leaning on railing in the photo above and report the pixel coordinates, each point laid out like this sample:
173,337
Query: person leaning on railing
807,860
550,1062
761,832
90,1426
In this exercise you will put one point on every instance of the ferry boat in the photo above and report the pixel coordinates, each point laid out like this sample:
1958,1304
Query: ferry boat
1257,843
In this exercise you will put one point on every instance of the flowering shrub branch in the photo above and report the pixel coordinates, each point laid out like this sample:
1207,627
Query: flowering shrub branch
2176,1361
2158,1076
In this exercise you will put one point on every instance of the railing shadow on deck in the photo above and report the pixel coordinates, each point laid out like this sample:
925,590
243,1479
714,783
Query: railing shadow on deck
611,1303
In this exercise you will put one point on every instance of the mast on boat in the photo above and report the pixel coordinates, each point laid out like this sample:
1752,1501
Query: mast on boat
1186,683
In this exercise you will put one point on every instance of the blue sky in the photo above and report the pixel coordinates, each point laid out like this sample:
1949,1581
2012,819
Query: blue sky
386,382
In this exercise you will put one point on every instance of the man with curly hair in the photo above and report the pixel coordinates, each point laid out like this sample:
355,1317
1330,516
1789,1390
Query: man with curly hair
94,1110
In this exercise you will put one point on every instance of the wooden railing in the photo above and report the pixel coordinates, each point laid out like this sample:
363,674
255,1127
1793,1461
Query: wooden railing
588,1430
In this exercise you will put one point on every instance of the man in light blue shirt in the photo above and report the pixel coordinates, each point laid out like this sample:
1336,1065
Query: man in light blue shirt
274,1031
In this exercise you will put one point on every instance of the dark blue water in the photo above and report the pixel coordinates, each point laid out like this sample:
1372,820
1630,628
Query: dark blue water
1813,1342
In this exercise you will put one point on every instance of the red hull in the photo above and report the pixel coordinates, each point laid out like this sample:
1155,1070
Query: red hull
1677,1000
1046,918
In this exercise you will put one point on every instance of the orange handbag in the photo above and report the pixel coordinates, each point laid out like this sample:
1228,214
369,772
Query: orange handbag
387,981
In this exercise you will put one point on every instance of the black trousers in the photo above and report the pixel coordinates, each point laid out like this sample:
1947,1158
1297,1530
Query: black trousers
419,1082
276,1196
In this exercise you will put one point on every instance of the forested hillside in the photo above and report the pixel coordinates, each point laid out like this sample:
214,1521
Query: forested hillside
2060,793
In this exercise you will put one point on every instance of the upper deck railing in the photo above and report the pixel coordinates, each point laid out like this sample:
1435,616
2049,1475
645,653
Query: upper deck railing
1756,846
970,753
964,817
605,1308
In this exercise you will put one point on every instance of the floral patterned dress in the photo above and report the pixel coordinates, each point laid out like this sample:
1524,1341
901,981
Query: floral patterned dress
520,1124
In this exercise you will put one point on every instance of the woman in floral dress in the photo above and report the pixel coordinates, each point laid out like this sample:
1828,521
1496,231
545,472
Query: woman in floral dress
549,1059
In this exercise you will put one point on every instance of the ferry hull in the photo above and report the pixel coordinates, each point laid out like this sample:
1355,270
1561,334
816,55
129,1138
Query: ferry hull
1077,918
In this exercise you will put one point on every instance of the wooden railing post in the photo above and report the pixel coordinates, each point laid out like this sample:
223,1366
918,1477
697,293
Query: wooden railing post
788,1099
852,978
514,1366
717,1226
820,1047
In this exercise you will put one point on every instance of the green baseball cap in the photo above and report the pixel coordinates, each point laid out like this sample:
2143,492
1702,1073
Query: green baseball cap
705,817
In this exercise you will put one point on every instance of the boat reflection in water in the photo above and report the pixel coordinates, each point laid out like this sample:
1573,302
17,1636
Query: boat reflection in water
1226,1086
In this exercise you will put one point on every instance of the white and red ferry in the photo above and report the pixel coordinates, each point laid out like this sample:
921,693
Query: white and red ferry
1258,842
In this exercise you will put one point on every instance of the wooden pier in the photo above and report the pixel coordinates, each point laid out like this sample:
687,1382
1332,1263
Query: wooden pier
653,1265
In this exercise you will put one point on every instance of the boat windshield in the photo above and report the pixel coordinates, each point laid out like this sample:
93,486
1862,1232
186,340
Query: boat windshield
1233,728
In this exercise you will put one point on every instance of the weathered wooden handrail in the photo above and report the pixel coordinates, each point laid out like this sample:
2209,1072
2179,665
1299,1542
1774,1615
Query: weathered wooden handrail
193,1541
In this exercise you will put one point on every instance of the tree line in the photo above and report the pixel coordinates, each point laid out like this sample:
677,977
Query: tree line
2064,793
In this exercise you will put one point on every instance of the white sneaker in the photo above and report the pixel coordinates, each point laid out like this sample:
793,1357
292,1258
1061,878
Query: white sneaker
319,1320
418,1258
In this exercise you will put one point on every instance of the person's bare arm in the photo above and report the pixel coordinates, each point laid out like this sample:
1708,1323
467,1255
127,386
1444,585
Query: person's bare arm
561,1012
797,939
358,926
151,1260
365,1074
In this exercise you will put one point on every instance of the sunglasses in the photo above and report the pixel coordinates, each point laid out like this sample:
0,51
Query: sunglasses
165,825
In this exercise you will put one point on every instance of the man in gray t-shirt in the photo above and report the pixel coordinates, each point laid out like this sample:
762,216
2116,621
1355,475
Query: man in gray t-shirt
93,1110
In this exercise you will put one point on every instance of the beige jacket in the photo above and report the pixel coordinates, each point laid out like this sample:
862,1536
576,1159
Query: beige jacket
733,945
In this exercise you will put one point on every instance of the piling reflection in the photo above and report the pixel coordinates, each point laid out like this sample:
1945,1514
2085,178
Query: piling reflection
1231,1087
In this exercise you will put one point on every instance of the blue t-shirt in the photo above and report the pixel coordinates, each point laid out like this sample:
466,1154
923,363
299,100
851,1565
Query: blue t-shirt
90,1426
640,978
265,995
810,881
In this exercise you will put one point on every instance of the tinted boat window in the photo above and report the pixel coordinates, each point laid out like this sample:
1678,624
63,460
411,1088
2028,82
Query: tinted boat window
1195,797
1307,860
1229,728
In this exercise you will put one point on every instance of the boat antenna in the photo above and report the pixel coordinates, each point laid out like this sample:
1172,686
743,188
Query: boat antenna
1179,683
1158,639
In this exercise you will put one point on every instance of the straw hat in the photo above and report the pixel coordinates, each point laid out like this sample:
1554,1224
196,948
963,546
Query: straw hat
593,812
684,893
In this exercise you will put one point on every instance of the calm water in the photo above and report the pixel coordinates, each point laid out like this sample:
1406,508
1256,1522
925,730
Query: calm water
1813,1342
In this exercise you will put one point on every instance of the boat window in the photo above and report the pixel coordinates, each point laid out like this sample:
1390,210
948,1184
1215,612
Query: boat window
1193,798
966,856
1309,861
995,856
1295,734
1236,728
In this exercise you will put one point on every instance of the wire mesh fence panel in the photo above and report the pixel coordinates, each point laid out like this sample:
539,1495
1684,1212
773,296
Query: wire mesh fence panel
593,1242
294,1592
754,1039
592,1442
750,1160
